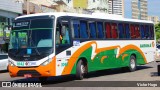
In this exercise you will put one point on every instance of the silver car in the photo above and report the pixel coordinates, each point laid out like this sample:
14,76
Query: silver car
3,62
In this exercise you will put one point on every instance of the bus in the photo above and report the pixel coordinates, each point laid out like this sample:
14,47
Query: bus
60,43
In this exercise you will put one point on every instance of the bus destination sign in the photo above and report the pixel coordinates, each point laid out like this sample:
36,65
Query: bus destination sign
21,24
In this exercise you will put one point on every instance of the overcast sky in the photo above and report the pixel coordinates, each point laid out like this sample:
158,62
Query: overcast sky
153,8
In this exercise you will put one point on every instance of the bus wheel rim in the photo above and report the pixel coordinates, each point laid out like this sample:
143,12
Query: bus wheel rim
133,63
82,69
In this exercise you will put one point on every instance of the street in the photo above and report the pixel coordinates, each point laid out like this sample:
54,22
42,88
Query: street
144,73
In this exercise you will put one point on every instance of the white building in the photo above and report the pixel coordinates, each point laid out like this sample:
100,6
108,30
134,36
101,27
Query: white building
155,19
95,5
116,7
98,5
139,9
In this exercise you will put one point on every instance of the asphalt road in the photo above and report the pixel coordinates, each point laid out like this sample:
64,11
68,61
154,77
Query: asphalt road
98,79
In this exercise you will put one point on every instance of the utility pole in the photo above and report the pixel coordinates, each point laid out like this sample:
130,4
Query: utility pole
28,10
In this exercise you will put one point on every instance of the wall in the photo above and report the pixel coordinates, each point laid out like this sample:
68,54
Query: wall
11,5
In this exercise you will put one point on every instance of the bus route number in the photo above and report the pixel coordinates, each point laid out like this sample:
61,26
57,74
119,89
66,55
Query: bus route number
63,64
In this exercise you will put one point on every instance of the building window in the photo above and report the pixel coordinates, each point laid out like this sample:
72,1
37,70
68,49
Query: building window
68,1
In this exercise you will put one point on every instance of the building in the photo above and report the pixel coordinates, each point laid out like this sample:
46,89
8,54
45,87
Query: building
116,7
139,9
80,4
64,6
98,5
9,9
155,19
36,6
87,5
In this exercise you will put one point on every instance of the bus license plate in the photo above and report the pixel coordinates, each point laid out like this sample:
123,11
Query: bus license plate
27,75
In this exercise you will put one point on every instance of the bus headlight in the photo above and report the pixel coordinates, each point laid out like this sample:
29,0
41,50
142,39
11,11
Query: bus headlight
46,62
10,63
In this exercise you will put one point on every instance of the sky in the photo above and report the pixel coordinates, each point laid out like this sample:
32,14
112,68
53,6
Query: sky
153,8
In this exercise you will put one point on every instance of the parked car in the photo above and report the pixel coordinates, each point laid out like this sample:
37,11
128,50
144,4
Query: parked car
3,62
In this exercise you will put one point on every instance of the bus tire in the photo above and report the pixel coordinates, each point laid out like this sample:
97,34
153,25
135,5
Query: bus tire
80,70
132,63
42,79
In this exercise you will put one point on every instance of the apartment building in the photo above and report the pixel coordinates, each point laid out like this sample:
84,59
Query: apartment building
139,9
155,19
116,7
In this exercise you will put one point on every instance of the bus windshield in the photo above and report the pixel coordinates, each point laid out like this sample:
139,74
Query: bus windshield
32,38
37,38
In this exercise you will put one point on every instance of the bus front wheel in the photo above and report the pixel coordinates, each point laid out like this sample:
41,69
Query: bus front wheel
80,70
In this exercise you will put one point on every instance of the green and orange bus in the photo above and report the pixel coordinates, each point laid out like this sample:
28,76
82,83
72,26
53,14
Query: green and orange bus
54,44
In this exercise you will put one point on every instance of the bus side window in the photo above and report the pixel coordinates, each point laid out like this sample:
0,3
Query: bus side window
62,33
58,27
142,31
83,29
147,32
151,32
57,37
114,31
108,30
75,28
92,28
121,31
65,34
127,31
137,32
132,30
100,30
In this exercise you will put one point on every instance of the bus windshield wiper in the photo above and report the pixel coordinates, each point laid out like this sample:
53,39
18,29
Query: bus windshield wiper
31,42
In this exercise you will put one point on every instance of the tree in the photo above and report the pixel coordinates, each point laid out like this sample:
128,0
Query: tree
157,29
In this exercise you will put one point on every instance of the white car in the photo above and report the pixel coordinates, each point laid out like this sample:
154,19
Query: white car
158,52
3,62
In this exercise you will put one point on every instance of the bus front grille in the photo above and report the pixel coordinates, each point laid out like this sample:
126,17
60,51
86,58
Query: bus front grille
34,73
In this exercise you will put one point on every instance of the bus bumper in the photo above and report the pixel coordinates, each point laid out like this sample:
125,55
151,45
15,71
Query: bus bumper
39,71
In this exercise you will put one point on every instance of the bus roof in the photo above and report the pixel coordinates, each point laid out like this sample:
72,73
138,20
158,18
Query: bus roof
93,15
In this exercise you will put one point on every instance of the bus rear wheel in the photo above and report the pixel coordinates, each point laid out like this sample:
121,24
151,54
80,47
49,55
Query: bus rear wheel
80,70
132,63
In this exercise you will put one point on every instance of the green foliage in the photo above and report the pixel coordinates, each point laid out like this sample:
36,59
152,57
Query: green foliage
157,29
